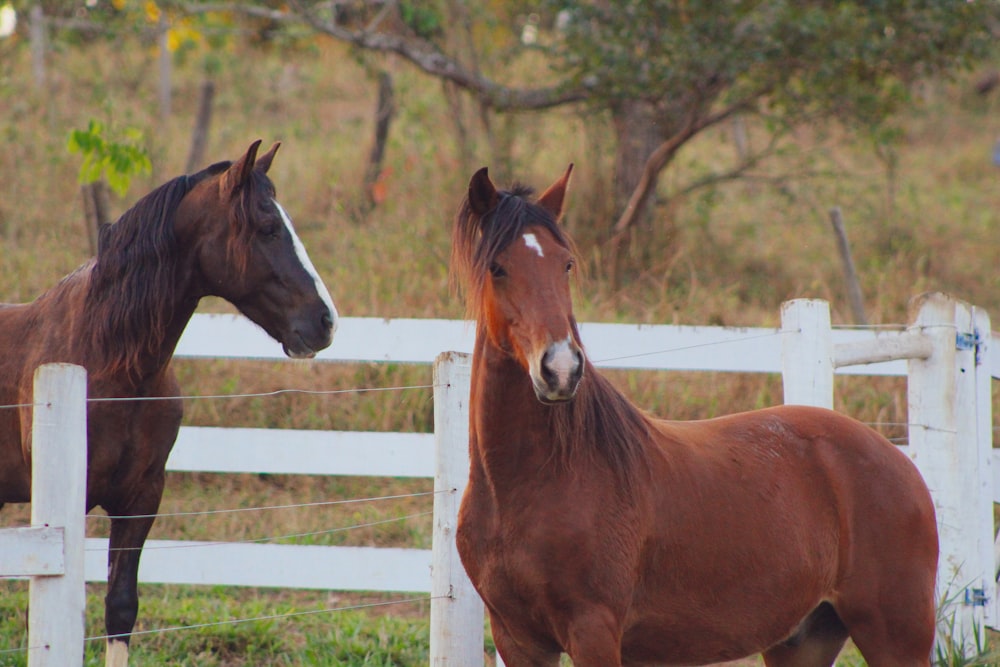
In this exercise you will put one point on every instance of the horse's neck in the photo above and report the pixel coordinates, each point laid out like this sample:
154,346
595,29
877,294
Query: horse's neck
509,426
173,314
600,430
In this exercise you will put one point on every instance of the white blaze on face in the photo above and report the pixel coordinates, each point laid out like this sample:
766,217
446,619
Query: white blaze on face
531,241
300,251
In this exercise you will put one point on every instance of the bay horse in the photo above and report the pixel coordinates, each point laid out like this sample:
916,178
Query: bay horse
219,232
594,529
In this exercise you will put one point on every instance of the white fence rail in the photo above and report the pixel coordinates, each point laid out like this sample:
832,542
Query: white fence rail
822,352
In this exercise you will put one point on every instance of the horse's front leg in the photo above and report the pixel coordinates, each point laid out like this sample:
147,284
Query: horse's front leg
121,604
518,653
594,638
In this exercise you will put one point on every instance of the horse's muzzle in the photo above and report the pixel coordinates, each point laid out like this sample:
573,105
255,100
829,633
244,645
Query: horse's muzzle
310,335
559,373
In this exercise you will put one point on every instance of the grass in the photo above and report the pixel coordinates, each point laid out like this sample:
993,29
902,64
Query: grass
726,255
209,627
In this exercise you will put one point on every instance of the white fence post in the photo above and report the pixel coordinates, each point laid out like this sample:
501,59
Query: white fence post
984,440
56,604
807,353
945,445
456,609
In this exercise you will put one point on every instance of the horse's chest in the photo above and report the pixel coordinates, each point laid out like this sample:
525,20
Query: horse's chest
128,441
517,552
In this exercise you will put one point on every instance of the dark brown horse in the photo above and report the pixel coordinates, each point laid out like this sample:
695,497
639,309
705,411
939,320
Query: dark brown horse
593,529
219,232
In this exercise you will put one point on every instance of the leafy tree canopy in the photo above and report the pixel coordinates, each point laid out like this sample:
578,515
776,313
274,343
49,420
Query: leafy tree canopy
665,69
850,59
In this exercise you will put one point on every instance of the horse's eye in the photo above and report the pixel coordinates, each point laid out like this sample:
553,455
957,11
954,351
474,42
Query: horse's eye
271,231
570,265
497,271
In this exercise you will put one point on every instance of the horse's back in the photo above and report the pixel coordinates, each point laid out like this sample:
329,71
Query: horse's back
794,439
16,354
797,504
815,457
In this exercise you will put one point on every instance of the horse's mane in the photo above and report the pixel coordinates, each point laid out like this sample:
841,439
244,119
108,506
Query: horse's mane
605,421
132,290
600,417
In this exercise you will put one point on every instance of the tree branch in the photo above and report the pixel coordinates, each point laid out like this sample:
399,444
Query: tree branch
662,156
419,52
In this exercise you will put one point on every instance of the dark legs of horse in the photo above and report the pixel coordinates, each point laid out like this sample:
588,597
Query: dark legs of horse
121,604
816,643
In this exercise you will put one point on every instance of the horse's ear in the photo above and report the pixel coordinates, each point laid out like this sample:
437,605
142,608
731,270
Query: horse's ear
552,199
264,161
482,193
239,172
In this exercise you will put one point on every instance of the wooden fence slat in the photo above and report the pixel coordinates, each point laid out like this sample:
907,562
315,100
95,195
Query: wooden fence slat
31,550
273,565
608,345
302,452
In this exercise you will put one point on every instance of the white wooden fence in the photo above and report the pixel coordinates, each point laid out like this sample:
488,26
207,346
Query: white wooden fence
958,466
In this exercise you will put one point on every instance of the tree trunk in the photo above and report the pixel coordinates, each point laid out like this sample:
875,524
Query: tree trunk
639,132
37,34
199,138
385,109
166,70
640,129
96,211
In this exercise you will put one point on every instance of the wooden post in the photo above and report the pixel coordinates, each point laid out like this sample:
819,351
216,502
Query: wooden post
456,609
850,273
945,445
807,352
740,139
199,138
56,604
37,36
165,91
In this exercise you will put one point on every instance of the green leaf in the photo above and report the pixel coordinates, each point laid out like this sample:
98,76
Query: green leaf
116,161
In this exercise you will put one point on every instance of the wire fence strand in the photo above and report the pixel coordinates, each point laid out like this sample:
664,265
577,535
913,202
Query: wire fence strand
218,397
239,621
234,510
260,540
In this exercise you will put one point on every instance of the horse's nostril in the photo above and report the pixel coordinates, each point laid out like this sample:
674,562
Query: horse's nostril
327,321
547,373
